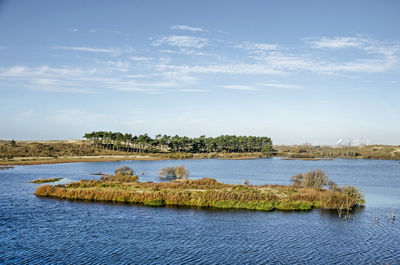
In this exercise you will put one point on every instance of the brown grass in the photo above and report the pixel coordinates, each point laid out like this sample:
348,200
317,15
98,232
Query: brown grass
204,192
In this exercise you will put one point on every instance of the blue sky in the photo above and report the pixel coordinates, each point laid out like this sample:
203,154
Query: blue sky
296,71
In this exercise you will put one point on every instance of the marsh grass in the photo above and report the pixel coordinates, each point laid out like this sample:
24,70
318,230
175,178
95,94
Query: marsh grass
206,192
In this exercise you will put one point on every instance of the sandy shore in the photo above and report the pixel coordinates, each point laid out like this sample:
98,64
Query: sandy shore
74,159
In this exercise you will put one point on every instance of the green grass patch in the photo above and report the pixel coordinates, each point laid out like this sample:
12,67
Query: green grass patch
155,203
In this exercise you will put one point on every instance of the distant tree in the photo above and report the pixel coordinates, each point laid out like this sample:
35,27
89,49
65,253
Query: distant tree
117,141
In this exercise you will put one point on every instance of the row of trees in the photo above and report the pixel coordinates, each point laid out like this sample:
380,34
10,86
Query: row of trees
163,143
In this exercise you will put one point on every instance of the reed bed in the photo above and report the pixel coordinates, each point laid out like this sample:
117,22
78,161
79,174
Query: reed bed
206,192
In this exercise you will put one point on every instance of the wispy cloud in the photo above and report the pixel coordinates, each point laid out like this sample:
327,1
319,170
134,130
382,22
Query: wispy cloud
192,90
188,28
87,49
72,29
116,65
107,31
182,41
279,85
338,42
43,71
140,59
241,87
248,45
240,69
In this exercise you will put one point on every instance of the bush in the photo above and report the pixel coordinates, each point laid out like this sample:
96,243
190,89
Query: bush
313,179
297,180
170,173
124,171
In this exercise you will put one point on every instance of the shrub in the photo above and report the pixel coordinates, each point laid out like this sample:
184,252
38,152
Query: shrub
313,179
354,195
297,180
181,172
170,173
124,171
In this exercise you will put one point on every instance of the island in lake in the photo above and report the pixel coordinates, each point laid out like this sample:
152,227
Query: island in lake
310,190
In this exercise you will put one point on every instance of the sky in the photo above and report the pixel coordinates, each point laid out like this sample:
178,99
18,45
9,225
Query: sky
295,71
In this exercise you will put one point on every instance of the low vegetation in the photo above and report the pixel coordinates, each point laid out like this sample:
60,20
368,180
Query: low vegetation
171,173
39,180
207,192
309,152
109,146
122,174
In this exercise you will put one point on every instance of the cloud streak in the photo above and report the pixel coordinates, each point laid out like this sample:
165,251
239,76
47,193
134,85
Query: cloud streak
182,41
338,42
87,49
188,28
241,87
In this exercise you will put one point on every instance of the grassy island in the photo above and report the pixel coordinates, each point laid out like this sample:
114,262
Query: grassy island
207,192
39,180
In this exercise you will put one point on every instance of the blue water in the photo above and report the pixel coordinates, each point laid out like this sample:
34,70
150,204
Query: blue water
50,231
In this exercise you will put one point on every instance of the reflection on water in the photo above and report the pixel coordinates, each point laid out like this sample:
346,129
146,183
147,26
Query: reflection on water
39,230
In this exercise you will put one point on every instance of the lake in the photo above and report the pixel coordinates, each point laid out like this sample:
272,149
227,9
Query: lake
41,230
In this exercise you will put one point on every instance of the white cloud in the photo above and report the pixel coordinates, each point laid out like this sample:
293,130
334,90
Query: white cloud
290,62
279,85
192,90
141,59
182,41
338,42
241,87
45,81
118,65
239,69
72,29
136,76
193,29
40,72
88,49
248,45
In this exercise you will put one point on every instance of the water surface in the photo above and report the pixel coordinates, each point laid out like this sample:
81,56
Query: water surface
40,230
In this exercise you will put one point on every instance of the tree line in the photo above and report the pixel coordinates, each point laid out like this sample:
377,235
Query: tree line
164,143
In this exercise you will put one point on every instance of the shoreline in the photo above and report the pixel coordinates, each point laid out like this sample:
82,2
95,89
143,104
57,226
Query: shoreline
85,159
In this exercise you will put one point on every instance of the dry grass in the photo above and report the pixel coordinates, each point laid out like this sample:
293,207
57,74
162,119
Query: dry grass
204,192
367,152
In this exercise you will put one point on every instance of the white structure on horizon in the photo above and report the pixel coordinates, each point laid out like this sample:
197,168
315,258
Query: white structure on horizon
353,142
339,142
